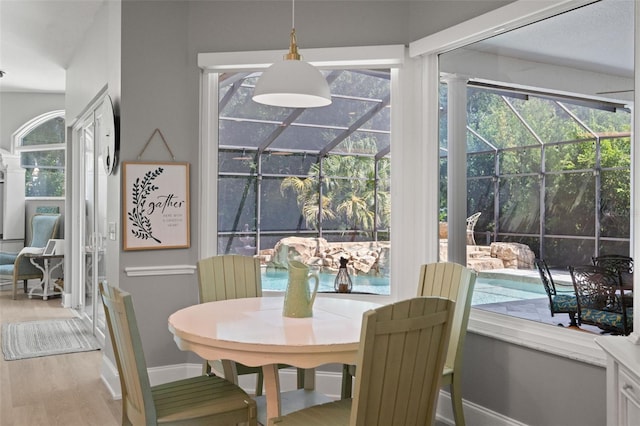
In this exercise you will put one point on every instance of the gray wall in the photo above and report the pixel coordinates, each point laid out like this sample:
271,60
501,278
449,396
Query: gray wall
429,17
160,89
96,62
94,67
533,387
16,108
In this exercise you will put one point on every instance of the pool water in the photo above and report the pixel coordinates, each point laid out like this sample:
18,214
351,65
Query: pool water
276,279
498,290
491,290
487,289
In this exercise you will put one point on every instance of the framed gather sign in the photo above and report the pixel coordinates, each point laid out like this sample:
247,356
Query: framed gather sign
156,205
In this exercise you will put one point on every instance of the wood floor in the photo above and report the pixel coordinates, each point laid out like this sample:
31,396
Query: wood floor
63,390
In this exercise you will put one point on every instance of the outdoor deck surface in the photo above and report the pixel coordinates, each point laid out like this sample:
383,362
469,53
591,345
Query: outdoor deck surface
531,306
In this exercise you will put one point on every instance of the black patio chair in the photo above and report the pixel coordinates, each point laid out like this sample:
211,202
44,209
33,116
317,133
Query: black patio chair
558,303
615,262
619,263
601,301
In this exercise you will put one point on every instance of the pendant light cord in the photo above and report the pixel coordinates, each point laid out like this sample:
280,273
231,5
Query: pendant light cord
293,14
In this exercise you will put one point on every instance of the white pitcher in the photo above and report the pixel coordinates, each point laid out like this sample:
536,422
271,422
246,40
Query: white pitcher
298,299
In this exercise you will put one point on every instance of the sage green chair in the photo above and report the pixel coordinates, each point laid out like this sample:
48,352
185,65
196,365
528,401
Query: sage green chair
455,282
202,400
402,352
16,265
233,276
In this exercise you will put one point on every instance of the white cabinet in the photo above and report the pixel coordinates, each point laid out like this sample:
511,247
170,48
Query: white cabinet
12,202
623,380
628,397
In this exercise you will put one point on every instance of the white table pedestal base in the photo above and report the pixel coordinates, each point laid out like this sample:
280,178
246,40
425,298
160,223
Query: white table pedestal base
47,286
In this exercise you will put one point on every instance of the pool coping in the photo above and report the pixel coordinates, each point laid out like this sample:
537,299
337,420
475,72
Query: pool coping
560,277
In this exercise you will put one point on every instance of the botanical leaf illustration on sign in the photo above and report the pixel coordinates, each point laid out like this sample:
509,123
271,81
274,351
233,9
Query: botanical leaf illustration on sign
142,228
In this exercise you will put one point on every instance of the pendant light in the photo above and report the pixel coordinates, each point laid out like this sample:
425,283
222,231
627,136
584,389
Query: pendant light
292,83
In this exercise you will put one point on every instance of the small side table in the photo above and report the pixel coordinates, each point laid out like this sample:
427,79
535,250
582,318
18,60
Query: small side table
49,264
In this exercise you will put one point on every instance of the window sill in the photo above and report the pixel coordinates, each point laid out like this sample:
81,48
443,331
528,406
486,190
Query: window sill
541,337
43,198
364,297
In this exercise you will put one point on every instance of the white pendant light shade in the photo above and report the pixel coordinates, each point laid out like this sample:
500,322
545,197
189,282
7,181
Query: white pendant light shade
293,84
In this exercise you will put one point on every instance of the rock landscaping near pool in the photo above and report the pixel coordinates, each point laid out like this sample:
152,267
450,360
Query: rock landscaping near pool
372,257
365,258
496,256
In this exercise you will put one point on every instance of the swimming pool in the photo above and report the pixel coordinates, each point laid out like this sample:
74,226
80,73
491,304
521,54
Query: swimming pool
497,290
276,279
489,288
503,287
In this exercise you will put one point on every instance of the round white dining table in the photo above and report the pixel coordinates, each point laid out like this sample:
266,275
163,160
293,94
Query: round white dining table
254,332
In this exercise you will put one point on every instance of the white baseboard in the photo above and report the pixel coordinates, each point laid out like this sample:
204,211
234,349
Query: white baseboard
157,375
327,382
473,414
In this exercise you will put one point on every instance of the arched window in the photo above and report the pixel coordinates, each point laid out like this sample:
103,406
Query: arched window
41,145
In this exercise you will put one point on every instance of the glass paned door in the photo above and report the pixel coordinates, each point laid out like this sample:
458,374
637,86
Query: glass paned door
94,181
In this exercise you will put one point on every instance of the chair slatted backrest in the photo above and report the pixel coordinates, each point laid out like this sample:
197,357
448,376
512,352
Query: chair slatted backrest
456,282
137,399
401,356
229,277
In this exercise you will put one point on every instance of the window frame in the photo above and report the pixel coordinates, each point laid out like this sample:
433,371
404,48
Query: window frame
542,337
213,64
24,130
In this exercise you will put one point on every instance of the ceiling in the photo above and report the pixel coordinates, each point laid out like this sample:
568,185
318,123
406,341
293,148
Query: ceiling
597,37
38,38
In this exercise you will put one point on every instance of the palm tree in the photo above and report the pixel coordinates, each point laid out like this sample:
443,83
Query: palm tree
348,192
307,198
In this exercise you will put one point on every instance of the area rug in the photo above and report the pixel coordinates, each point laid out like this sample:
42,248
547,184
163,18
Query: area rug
32,339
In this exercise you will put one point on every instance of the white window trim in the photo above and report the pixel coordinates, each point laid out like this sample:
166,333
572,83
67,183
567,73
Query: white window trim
17,136
391,56
578,346
38,148
17,148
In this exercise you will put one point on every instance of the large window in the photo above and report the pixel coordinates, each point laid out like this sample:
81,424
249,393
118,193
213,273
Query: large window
264,170
490,62
41,144
322,174
547,173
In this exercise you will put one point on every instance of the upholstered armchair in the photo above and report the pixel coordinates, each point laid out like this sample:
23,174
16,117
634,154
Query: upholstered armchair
16,265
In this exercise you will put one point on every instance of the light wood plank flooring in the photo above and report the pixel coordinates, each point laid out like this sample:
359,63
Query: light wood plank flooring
63,390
